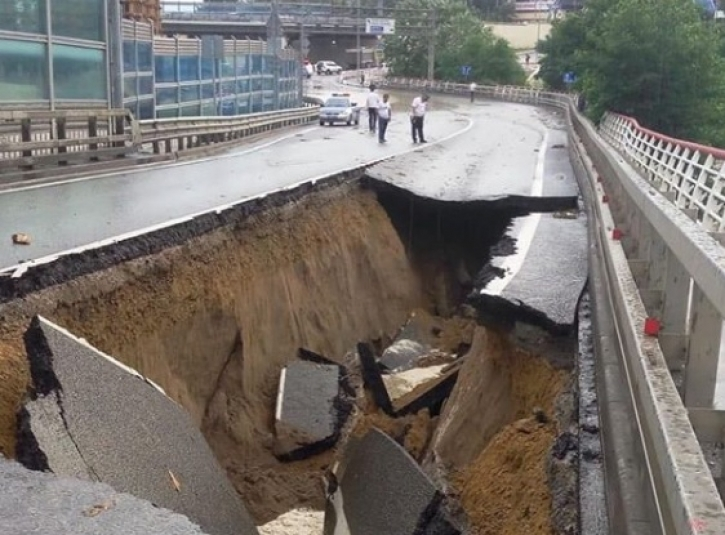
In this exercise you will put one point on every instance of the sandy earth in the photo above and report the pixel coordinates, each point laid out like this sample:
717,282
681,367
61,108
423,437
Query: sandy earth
295,522
215,320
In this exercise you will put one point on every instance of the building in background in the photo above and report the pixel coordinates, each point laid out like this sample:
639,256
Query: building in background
81,54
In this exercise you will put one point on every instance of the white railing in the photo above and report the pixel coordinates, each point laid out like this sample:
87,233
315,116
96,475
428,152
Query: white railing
692,174
660,268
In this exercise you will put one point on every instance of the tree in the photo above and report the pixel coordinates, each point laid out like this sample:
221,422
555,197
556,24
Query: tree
657,61
460,39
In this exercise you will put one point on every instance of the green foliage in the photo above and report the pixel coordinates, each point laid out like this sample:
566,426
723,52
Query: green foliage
655,60
460,39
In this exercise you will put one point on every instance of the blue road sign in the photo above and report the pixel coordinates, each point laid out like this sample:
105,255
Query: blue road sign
569,77
465,70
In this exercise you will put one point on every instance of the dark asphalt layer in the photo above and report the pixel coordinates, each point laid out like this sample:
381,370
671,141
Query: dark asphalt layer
496,155
41,503
385,492
129,434
307,413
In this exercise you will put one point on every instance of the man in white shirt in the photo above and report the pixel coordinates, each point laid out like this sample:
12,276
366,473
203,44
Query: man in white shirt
385,113
472,88
417,114
372,102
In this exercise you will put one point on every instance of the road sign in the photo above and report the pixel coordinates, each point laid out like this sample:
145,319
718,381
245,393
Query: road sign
380,26
569,77
465,70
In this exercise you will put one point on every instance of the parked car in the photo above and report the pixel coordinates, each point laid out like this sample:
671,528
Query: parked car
327,67
340,108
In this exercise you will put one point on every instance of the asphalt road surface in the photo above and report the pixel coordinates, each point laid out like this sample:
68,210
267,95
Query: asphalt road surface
498,140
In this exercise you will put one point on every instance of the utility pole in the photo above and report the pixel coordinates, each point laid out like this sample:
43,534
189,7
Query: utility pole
357,36
431,45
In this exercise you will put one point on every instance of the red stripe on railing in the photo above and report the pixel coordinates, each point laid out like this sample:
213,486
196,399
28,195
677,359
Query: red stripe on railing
706,149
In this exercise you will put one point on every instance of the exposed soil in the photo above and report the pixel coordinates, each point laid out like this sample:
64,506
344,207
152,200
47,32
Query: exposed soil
499,471
213,321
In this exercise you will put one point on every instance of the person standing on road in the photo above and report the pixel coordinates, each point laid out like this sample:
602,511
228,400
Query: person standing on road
472,88
385,114
417,115
372,102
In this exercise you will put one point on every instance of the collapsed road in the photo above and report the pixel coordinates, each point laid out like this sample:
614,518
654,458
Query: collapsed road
216,309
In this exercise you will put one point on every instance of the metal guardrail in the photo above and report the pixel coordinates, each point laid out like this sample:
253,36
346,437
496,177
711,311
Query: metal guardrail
178,134
30,138
692,173
660,265
35,139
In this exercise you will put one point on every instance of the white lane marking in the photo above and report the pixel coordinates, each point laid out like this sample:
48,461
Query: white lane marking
512,264
160,166
18,270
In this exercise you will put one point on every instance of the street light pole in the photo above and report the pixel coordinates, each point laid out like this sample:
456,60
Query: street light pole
357,36
432,46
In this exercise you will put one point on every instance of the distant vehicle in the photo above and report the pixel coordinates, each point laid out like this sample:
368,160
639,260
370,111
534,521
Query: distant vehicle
339,108
327,67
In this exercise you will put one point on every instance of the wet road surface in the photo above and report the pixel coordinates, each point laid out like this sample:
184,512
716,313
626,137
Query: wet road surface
500,143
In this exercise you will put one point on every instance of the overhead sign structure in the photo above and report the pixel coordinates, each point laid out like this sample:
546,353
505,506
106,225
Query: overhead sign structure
466,70
569,78
380,26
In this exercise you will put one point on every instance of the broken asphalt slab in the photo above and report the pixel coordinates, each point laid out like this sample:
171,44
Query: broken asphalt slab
546,288
120,429
34,502
383,491
310,409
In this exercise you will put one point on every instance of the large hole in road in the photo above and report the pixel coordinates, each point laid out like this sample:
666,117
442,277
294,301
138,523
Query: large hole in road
215,317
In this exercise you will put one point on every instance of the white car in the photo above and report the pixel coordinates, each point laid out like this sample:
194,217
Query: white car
340,108
327,67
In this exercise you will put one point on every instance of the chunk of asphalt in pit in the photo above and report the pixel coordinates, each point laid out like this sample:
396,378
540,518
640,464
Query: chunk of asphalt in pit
310,411
430,395
372,378
35,502
406,349
124,429
383,491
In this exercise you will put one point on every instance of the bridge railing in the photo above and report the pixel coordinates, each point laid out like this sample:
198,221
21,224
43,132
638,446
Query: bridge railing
692,175
663,276
30,140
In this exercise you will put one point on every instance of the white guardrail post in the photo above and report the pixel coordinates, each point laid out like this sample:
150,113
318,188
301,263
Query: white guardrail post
662,236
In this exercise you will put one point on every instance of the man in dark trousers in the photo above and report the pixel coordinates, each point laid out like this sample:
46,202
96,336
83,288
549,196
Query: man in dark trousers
417,116
385,113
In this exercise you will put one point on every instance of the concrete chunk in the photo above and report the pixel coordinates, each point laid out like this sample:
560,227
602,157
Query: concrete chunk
308,411
34,502
126,432
383,491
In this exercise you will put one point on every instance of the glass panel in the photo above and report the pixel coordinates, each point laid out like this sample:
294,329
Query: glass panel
131,106
227,67
242,65
129,56
81,19
207,69
208,109
188,68
256,64
165,114
228,107
23,73
165,69
257,84
79,73
189,93
191,111
166,95
268,84
145,85
23,16
145,56
229,88
146,109
243,85
207,91
129,86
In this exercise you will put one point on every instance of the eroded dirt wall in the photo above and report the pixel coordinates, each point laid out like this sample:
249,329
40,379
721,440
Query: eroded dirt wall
322,273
